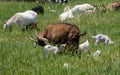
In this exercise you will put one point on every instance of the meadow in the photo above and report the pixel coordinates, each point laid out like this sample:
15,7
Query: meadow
18,57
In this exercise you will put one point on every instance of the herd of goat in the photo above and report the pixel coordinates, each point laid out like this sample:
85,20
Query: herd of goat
65,35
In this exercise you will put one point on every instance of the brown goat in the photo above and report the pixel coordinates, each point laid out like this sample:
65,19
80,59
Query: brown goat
114,6
60,33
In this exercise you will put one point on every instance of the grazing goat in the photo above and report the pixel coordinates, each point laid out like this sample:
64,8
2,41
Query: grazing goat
104,38
83,8
23,19
60,33
38,9
114,6
54,49
84,46
66,14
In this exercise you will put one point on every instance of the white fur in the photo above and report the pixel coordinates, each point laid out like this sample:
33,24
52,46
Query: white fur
54,49
22,19
84,46
83,8
31,12
98,52
102,37
66,65
66,14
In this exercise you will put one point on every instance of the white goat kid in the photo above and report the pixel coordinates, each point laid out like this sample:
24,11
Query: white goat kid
53,49
83,8
84,46
66,14
22,19
103,38
97,53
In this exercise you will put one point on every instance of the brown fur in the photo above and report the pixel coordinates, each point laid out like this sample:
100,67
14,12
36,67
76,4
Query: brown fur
114,6
61,33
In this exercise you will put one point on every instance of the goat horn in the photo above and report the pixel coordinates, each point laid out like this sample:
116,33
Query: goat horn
32,39
44,39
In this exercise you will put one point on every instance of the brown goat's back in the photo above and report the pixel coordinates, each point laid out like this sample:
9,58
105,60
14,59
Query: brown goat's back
114,6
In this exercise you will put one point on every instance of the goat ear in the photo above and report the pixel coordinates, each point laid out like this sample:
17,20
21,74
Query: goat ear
44,39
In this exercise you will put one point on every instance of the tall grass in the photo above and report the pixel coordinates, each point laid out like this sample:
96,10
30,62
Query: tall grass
18,57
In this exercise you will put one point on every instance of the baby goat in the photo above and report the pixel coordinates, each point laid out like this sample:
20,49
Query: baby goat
104,38
83,8
54,49
84,46
66,14
97,53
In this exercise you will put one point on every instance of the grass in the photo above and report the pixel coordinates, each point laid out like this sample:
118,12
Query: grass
18,57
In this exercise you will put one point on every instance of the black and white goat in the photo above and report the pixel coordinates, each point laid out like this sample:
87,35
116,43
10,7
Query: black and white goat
102,37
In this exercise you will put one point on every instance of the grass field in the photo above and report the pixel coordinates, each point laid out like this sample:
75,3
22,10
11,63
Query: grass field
18,57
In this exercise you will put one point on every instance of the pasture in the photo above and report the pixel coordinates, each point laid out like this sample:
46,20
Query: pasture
18,57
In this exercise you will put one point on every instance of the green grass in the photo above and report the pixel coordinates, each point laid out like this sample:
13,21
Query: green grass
18,57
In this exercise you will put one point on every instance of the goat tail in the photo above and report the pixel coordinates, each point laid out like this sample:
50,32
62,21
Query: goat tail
82,34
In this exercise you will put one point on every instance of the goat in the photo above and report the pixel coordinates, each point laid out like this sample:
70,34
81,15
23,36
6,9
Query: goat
98,52
102,37
66,14
60,33
54,49
84,46
22,19
38,9
114,6
83,8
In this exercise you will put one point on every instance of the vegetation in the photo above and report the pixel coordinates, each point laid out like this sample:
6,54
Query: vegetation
18,57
